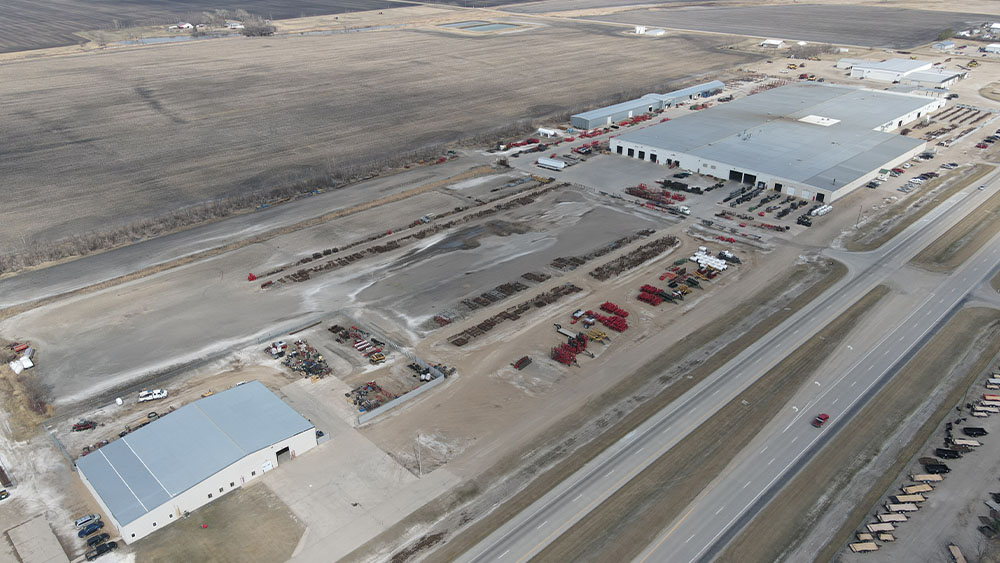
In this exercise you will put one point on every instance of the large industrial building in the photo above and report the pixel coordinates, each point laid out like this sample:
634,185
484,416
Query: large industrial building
815,141
192,456
602,117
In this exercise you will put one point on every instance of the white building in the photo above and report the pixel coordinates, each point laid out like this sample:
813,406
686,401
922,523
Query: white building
815,141
903,71
772,43
992,48
192,456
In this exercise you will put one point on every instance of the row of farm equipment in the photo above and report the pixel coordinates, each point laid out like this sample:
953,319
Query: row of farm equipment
366,345
955,447
575,345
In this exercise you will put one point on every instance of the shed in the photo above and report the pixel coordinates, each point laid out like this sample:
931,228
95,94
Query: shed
772,43
944,45
992,48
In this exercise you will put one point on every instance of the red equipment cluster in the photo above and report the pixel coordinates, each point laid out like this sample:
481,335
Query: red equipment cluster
610,307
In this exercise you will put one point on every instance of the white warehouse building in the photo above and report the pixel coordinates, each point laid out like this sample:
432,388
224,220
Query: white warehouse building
192,456
904,71
815,141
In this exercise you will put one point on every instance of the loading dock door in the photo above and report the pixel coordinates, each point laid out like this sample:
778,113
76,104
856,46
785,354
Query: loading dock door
736,175
820,197
750,179
790,190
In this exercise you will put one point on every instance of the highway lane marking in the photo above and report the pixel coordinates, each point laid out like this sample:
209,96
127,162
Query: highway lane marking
927,313
834,402
721,508
772,460
504,553
870,367
854,382
691,538
664,538
793,440
639,451
608,474
578,497
941,301
542,524
764,450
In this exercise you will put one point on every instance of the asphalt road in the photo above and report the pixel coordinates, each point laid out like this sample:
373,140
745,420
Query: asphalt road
698,533
75,274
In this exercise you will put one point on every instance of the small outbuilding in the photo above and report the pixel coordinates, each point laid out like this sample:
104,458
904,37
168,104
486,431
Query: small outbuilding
992,48
772,43
944,45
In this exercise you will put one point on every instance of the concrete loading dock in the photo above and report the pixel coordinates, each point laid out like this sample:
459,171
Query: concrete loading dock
832,139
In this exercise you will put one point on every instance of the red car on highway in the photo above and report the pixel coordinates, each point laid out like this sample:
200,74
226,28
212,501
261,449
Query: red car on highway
820,419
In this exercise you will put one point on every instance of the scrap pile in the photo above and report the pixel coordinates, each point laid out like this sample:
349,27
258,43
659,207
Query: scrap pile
572,262
513,313
304,359
634,259
370,396
498,293
303,274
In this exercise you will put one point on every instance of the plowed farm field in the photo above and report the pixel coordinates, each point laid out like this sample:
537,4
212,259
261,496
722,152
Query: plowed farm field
102,139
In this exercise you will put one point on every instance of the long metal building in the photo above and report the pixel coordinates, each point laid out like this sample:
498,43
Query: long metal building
605,116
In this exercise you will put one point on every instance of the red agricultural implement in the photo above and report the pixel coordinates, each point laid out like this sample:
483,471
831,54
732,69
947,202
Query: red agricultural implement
650,298
613,309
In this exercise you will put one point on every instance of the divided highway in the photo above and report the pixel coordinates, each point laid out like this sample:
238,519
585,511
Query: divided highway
702,529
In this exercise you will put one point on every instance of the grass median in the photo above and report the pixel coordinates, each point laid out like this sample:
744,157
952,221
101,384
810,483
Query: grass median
884,227
632,518
553,470
795,510
958,243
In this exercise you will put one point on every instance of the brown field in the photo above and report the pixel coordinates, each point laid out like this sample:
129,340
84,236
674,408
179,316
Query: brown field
103,139
961,350
960,242
28,24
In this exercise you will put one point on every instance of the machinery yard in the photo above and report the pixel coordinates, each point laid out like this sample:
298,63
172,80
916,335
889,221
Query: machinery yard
450,324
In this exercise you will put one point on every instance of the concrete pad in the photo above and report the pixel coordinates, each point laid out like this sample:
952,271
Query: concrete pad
35,542
345,490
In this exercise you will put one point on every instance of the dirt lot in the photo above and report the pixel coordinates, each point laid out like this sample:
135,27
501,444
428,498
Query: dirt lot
961,241
628,521
191,123
948,363
881,227
250,524
623,406
874,26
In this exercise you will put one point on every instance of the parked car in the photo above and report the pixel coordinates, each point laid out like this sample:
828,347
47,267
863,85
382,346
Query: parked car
4,494
99,538
84,425
152,395
820,419
982,146
937,468
84,520
90,529
101,550
907,164
982,187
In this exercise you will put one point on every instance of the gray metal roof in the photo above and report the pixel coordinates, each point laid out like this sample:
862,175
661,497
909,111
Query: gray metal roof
933,75
894,65
763,133
644,101
148,467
